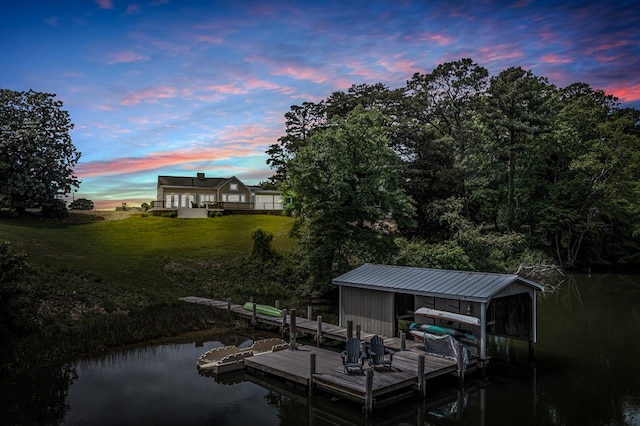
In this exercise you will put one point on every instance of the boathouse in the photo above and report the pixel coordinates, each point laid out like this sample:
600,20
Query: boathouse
377,296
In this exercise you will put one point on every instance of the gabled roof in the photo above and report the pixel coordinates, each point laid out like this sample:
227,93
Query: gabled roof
460,285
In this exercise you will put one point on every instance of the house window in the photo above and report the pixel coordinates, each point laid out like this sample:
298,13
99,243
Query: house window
207,198
233,187
168,199
234,198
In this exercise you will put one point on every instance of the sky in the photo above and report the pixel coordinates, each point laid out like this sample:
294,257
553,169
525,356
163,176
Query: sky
177,87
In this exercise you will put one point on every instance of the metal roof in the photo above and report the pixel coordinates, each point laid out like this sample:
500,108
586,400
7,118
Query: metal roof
461,285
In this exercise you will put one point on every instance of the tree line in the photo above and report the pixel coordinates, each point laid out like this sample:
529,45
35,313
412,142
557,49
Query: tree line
466,167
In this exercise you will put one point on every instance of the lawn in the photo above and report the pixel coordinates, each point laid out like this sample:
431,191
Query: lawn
98,284
133,254
134,247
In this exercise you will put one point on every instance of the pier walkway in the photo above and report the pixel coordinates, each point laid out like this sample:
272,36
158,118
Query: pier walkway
319,368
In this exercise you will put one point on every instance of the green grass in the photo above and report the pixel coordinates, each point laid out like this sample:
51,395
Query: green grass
88,275
134,251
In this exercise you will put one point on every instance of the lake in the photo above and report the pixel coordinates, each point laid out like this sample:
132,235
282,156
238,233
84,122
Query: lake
586,372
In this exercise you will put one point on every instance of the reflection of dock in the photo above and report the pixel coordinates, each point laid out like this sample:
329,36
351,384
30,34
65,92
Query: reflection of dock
318,368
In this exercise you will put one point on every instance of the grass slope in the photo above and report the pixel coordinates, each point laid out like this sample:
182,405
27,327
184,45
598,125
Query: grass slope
133,251
97,284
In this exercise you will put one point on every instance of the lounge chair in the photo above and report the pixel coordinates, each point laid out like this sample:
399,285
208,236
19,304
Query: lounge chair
377,353
352,356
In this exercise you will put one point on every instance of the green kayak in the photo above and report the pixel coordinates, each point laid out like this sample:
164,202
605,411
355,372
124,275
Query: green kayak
264,309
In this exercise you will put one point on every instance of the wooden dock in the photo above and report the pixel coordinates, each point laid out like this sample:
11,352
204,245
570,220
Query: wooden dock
319,368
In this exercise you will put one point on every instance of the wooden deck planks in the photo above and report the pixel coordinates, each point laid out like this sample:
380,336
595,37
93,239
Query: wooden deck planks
295,365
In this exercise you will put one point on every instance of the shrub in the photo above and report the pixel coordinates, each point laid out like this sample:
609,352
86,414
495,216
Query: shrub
81,204
170,214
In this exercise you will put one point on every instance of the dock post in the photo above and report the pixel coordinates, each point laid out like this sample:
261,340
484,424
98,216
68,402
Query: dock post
283,326
358,327
292,331
309,312
319,333
312,371
254,316
368,394
422,381
229,309
403,341
277,304
460,362
349,329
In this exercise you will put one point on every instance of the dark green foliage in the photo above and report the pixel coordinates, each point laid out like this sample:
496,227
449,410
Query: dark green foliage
170,214
347,190
56,209
556,169
262,244
37,156
83,204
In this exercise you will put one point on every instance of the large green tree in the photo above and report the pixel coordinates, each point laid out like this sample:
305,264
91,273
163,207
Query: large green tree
347,186
37,156
440,125
518,114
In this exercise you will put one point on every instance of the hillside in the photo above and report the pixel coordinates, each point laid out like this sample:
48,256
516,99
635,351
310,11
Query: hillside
97,280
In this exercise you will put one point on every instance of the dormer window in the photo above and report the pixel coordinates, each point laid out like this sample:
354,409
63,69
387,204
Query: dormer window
233,187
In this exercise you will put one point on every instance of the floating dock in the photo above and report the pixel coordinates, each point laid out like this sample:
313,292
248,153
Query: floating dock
316,368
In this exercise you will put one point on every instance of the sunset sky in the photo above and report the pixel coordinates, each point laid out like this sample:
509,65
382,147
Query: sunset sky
176,87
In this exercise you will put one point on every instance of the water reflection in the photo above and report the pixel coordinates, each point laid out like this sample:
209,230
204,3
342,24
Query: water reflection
586,372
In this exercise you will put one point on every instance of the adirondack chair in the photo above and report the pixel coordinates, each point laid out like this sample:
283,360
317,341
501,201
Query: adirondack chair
377,353
352,356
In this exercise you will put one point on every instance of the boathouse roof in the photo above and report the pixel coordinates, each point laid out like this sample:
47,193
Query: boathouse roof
460,285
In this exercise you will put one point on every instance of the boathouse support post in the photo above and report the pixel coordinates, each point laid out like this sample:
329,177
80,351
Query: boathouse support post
309,312
358,331
254,316
292,331
277,305
483,331
460,362
284,322
319,333
368,393
403,341
349,329
422,381
312,371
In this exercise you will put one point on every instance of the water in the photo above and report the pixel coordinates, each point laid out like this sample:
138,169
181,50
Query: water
586,372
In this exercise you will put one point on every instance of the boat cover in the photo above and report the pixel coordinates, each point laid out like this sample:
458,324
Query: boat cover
446,347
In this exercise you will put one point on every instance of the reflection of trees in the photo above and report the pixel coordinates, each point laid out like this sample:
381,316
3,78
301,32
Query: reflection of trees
588,329
37,397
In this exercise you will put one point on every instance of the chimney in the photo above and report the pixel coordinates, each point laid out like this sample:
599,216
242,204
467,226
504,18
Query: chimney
200,176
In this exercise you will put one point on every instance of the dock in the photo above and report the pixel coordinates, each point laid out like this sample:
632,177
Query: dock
316,368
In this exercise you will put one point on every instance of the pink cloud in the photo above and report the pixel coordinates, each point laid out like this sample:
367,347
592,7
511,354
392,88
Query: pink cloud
303,73
208,39
105,4
437,38
125,57
499,52
150,95
158,160
625,94
399,65
520,3
556,59
606,46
